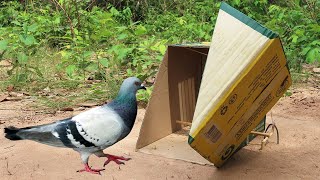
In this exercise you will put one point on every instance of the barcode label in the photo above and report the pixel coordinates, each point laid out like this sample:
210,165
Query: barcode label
213,134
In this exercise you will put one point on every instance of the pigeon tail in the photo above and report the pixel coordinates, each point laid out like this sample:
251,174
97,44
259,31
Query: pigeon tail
11,133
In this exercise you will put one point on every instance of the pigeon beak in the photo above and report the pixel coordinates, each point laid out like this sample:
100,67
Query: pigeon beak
143,87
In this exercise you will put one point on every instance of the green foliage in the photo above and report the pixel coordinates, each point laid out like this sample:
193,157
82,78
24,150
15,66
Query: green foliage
298,25
145,95
70,40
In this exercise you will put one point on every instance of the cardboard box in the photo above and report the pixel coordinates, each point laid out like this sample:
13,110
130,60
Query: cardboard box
245,75
173,99
224,89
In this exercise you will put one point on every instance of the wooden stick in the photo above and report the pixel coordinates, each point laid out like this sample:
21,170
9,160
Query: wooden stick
261,134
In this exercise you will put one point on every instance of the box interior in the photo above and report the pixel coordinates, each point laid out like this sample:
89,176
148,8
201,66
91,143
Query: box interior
170,111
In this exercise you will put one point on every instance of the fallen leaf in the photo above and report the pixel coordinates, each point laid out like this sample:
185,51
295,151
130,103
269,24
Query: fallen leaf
10,88
67,109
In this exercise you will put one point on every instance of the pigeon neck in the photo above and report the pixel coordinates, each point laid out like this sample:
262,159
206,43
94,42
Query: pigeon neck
126,107
125,97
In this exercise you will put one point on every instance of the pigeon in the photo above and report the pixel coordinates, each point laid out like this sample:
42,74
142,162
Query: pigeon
92,131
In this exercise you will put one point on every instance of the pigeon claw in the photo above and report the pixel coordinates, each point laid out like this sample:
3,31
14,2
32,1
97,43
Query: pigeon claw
89,170
115,159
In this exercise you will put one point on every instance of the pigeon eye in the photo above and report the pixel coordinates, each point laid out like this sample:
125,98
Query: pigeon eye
137,83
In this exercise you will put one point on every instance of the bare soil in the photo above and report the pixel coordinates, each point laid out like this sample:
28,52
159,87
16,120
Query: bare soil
296,157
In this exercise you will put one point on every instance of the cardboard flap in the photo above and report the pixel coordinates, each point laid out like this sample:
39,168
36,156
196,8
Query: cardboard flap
155,124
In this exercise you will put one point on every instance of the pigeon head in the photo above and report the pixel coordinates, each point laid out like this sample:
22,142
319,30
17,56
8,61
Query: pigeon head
130,86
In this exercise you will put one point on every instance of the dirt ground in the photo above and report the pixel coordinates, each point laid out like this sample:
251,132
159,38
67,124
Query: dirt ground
296,157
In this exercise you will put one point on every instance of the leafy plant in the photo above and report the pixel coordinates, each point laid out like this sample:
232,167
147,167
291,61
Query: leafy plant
76,41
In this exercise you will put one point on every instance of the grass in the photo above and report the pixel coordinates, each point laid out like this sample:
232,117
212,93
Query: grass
54,90
62,94
37,38
70,93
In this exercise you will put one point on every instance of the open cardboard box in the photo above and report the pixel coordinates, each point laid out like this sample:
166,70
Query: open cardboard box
173,99
170,111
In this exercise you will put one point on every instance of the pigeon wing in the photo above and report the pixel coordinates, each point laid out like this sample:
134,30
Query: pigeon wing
100,126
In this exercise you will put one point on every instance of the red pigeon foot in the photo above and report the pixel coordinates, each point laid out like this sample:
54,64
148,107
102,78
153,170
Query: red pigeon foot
89,170
115,159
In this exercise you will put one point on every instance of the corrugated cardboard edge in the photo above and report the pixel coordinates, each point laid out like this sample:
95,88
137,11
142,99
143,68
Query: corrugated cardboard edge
157,110
248,21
